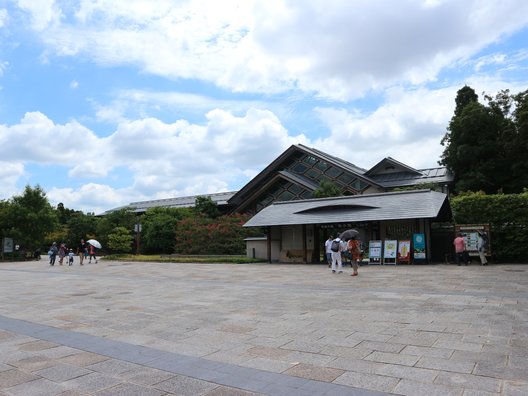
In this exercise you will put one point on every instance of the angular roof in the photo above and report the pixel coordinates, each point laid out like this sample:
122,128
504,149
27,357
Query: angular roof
417,204
179,202
259,180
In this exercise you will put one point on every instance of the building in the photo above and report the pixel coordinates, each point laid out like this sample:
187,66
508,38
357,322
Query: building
296,225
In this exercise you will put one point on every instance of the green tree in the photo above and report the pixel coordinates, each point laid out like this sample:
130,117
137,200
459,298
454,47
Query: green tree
159,228
519,143
28,218
473,145
207,207
80,226
327,189
119,218
120,240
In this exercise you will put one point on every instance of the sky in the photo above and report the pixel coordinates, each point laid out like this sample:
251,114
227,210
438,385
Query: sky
107,102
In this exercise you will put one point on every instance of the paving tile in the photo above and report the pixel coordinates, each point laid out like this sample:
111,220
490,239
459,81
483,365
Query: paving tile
515,388
185,386
469,381
82,359
427,351
367,381
146,376
413,388
411,373
314,373
228,391
272,365
38,345
381,346
39,387
112,367
460,346
14,377
91,383
395,358
130,390
62,372
446,365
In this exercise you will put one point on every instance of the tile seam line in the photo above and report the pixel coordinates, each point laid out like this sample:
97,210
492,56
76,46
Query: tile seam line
45,332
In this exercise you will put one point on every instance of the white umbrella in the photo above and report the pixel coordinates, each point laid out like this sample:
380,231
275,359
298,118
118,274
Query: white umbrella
94,243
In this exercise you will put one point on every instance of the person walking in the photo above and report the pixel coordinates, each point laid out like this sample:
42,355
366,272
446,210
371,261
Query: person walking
481,246
328,250
81,251
62,253
71,255
91,250
460,249
355,255
53,253
337,248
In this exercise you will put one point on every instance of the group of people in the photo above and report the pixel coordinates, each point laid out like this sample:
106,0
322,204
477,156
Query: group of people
335,248
461,255
83,250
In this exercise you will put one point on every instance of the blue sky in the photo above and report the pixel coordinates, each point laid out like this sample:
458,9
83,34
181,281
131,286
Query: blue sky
107,102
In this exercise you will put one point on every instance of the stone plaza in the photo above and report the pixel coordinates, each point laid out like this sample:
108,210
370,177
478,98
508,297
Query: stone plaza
124,328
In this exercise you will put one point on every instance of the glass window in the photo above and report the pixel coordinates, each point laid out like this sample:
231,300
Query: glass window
285,196
333,172
359,185
322,166
299,168
295,189
312,174
346,178
310,160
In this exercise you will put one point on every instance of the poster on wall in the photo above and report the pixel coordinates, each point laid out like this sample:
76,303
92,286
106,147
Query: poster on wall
7,245
404,251
471,233
419,247
375,252
389,251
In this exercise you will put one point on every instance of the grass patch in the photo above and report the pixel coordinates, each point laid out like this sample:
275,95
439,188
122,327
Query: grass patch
182,258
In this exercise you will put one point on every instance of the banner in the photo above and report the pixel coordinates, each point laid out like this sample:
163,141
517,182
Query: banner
390,249
419,247
404,251
375,252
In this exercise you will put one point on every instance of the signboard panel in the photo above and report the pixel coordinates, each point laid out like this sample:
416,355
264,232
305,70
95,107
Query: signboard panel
470,232
419,247
375,252
390,248
404,251
8,245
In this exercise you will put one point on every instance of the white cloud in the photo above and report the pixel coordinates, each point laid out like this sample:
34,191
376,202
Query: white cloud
165,160
339,51
44,13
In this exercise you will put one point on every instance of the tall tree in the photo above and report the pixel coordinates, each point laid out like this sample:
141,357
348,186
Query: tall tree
473,144
29,218
520,142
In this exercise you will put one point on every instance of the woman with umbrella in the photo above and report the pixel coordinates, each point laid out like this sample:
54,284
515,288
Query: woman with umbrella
92,245
353,248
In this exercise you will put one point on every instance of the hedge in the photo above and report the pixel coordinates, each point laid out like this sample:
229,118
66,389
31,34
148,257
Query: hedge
507,215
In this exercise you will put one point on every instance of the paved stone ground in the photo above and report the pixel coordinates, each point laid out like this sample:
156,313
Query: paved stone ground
213,329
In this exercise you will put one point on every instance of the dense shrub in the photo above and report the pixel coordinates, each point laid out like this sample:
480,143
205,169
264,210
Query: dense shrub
203,235
508,216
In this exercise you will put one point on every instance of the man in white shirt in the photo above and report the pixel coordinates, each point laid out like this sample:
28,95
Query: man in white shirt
336,256
328,251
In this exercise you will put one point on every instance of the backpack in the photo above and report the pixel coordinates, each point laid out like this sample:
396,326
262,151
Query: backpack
335,246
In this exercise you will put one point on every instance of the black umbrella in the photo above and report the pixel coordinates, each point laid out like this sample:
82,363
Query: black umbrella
349,234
